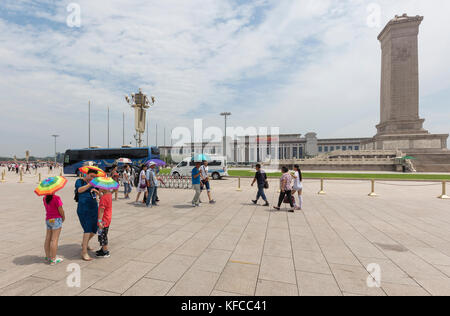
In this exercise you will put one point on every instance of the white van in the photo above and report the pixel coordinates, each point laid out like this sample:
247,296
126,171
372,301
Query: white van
217,168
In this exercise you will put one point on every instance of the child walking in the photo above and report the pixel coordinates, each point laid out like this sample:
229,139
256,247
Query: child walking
55,217
104,221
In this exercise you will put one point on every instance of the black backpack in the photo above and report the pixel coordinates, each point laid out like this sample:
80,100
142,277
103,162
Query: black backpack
77,195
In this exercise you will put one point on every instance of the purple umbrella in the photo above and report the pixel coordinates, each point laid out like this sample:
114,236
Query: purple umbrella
158,162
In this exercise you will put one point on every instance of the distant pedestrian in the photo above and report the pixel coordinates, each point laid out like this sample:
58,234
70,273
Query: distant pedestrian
116,177
261,180
127,181
55,217
298,186
142,184
285,190
151,186
196,184
205,181
156,171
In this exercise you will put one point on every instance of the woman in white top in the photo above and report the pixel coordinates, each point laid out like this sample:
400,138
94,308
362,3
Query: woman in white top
142,185
126,180
298,186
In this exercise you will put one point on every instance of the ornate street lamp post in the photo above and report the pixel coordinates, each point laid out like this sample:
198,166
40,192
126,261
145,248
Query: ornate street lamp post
140,102
55,136
225,114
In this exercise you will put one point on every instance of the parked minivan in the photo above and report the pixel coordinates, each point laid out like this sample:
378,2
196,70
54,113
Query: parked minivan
217,168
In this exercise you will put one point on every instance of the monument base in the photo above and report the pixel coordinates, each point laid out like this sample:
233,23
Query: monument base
401,127
430,150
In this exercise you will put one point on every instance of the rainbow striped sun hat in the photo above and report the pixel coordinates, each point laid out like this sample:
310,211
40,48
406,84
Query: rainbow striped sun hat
50,186
105,183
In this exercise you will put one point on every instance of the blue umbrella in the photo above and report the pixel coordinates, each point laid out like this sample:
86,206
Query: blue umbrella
201,157
157,162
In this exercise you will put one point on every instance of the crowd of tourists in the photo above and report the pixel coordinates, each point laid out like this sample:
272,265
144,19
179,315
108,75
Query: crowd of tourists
95,201
27,167
290,184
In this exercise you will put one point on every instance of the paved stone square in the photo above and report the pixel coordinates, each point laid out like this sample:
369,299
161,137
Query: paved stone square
237,248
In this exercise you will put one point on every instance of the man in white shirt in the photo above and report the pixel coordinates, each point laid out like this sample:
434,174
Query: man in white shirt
205,180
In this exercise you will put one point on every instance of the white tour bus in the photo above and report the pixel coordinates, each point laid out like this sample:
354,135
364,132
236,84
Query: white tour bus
217,168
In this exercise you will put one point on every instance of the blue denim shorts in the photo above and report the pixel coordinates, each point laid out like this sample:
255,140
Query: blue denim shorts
54,224
205,184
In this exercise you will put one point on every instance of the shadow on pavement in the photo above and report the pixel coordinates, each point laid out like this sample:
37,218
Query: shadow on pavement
28,260
182,206
70,251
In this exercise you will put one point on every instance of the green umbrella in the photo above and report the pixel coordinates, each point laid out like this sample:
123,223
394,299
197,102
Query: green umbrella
409,157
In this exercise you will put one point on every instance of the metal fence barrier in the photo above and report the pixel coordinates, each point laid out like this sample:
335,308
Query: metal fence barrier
372,193
171,182
373,183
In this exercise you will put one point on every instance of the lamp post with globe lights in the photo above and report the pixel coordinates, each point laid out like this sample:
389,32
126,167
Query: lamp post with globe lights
140,102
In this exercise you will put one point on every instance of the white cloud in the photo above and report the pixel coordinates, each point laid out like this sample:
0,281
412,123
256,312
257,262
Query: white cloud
304,65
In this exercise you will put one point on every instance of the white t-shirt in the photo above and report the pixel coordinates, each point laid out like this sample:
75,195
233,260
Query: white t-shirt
126,176
142,177
298,183
204,171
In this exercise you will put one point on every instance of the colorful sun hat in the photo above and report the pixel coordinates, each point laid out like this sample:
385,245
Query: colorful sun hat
50,186
86,169
105,183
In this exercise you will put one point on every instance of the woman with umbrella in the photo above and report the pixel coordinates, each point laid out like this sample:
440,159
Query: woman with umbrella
87,209
55,215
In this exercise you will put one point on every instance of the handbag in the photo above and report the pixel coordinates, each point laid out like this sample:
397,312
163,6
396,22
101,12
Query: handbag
266,183
286,199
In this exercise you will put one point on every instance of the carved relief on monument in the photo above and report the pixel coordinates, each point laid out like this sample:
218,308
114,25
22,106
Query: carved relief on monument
402,54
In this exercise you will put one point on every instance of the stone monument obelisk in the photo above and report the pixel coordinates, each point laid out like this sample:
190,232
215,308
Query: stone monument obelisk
401,127
400,77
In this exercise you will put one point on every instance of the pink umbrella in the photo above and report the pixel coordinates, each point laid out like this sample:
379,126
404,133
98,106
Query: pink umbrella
123,160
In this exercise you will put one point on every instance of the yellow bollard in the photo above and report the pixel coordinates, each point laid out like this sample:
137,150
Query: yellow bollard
21,177
239,185
3,177
373,194
60,173
39,180
444,195
321,192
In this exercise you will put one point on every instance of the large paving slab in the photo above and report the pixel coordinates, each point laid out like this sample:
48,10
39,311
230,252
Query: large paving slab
236,248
